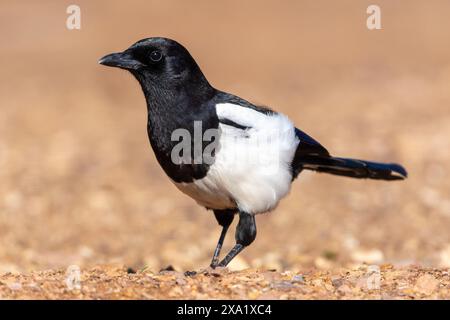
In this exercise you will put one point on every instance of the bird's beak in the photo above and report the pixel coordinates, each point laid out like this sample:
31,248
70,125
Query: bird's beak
122,60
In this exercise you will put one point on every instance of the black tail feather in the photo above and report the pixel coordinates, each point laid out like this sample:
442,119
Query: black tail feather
353,168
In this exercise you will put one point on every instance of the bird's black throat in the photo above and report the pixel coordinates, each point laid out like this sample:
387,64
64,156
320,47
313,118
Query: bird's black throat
177,105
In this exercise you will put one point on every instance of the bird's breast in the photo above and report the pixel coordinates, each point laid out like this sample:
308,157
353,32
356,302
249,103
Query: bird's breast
251,169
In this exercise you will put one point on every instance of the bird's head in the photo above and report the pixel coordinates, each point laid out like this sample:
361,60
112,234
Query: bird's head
158,63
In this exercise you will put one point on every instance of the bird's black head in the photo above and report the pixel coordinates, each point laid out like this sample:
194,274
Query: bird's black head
159,64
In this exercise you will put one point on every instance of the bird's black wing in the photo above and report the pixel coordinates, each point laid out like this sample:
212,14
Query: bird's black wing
307,147
224,97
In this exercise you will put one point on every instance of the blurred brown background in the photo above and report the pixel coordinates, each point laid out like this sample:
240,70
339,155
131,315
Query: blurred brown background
79,183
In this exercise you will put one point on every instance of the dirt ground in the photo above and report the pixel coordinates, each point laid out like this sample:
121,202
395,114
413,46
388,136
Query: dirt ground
80,186
109,282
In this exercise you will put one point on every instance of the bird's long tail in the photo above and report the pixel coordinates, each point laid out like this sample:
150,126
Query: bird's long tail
353,168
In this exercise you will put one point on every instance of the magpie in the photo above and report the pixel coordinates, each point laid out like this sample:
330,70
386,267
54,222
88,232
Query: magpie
179,96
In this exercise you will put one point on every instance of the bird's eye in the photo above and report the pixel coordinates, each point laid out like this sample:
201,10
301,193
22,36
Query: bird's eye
156,56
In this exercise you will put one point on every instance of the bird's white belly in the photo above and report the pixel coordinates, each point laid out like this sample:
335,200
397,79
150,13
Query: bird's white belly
207,194
251,170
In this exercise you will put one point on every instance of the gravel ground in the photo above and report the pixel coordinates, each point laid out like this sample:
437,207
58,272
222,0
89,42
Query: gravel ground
80,186
109,282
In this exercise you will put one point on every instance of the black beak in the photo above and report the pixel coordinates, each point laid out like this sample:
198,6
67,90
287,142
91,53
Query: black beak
122,60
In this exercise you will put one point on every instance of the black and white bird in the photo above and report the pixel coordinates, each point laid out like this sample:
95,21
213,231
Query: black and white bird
178,95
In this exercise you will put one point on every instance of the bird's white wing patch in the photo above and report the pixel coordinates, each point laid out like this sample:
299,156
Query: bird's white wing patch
253,168
248,117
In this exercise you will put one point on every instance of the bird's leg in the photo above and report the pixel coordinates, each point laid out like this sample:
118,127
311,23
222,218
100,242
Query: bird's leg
224,218
245,234
215,259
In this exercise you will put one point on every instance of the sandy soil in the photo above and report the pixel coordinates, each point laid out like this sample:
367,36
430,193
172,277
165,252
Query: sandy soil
109,282
80,185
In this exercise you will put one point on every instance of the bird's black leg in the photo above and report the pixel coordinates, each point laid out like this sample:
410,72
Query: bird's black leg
245,234
224,218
